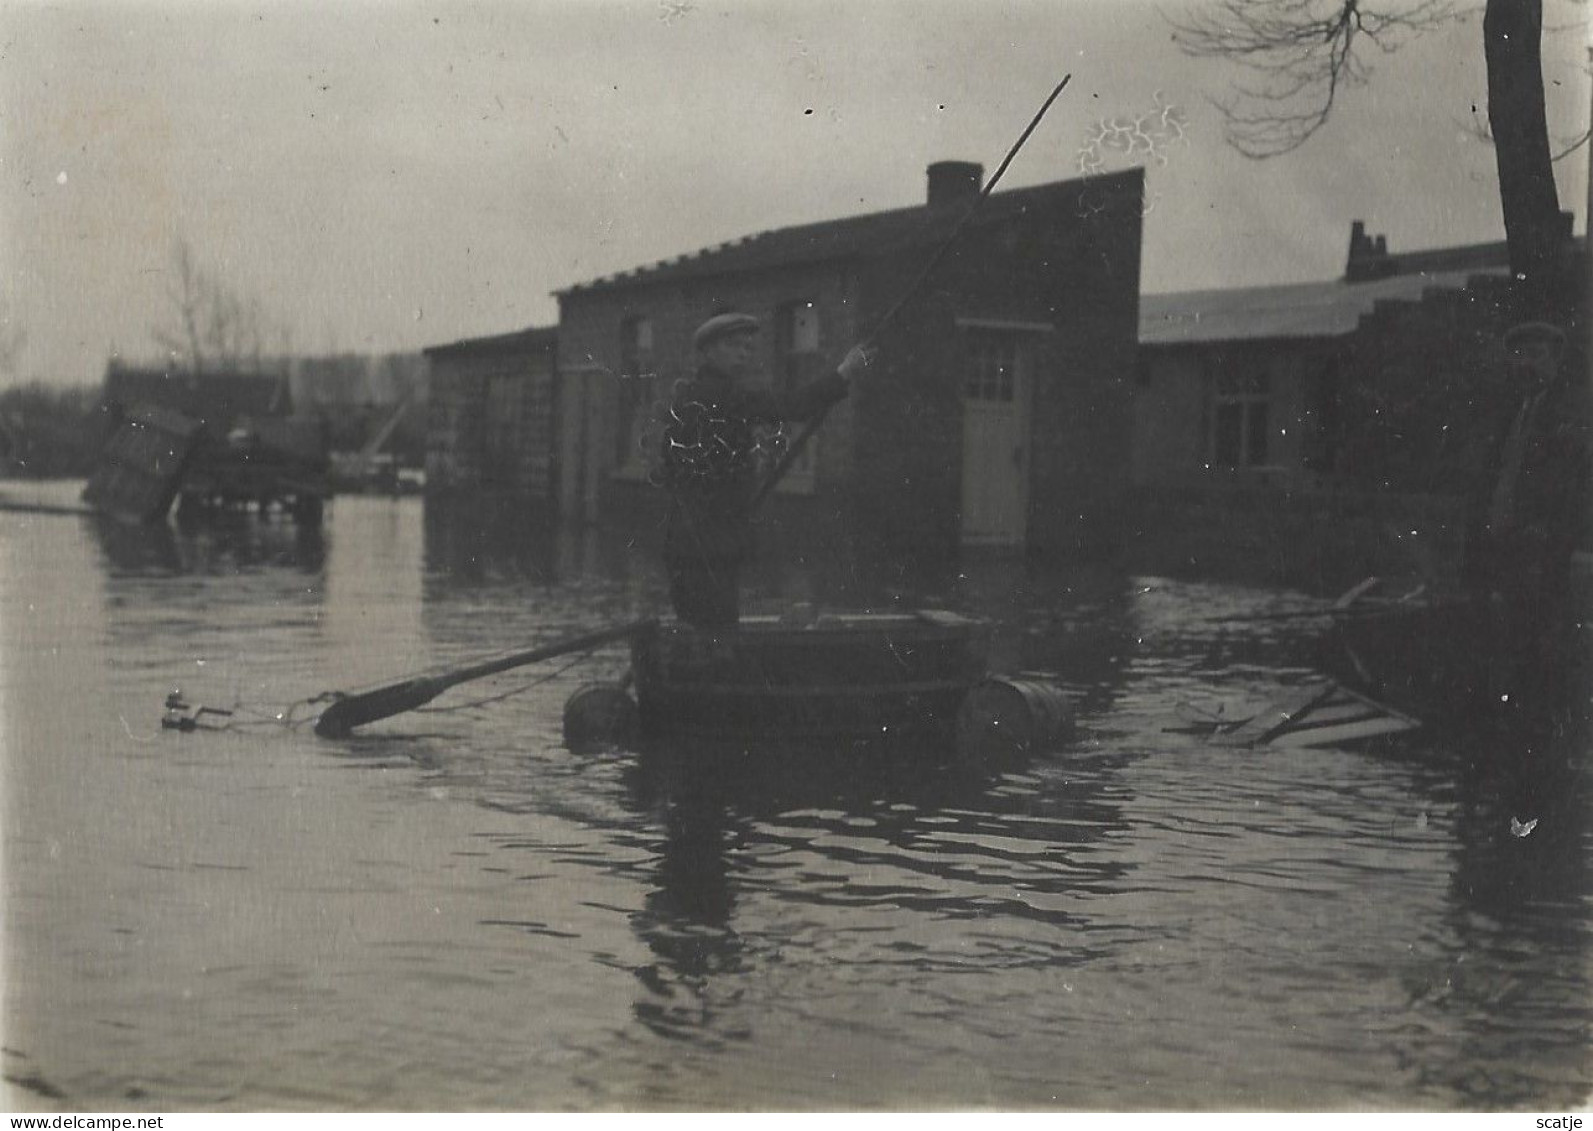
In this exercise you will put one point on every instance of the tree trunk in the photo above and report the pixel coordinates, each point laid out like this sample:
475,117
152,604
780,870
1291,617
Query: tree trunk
1512,38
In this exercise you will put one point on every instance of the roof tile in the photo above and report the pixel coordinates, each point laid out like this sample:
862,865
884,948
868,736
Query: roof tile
854,236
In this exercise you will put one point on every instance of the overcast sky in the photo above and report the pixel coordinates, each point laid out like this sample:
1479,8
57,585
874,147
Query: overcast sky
386,176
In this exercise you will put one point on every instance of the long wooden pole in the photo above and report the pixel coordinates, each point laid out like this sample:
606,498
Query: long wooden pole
357,708
812,426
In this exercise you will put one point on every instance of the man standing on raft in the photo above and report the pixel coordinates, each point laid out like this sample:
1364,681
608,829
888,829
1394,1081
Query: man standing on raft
711,466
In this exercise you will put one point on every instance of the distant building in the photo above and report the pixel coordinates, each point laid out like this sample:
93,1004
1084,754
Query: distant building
1239,382
249,446
364,398
334,383
1312,433
999,411
489,424
220,401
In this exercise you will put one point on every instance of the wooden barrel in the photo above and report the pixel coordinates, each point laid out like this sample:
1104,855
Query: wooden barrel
599,714
1008,716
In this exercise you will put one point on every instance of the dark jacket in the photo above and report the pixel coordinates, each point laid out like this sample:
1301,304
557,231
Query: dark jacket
715,458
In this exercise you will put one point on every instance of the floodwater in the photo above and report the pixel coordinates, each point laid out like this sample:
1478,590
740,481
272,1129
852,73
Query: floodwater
452,911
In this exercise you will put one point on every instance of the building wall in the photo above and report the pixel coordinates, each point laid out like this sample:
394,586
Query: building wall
1292,517
1084,413
1170,424
1180,394
490,421
1318,539
906,462
888,462
1071,263
1394,446
592,328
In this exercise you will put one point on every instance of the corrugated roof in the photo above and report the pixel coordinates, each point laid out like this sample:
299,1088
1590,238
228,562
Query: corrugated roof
869,234
1296,310
1314,310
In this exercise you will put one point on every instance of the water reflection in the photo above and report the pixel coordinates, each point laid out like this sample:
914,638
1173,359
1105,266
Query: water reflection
764,855
686,917
1362,927
472,541
498,540
224,544
1517,893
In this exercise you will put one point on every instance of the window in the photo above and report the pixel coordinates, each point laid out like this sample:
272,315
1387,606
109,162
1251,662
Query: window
634,397
796,344
1241,403
992,364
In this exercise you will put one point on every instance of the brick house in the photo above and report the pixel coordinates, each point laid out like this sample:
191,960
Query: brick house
490,415
998,411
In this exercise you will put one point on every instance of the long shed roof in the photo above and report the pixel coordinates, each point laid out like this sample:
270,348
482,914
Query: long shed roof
1314,310
1292,310
529,340
853,236
216,398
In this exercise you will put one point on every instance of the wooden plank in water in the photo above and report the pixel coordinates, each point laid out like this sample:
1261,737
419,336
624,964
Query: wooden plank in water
1350,596
1275,716
1357,731
1382,708
1331,713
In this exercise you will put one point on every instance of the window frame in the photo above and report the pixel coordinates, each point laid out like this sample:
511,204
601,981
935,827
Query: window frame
1240,395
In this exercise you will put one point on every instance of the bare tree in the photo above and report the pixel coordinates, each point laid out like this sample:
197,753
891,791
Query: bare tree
186,289
213,325
1512,36
1299,55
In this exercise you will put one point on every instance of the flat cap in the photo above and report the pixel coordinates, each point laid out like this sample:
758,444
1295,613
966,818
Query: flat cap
721,325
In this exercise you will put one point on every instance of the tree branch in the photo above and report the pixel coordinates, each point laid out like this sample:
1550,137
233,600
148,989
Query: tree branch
1300,55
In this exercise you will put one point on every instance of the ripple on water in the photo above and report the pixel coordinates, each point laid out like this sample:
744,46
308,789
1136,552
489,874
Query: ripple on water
451,910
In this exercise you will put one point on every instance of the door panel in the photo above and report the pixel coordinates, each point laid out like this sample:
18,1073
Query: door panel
995,439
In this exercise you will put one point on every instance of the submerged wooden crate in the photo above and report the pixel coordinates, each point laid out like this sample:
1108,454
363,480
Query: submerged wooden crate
1319,713
142,465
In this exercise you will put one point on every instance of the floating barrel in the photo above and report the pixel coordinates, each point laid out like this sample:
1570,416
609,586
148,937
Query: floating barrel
599,714
1009,716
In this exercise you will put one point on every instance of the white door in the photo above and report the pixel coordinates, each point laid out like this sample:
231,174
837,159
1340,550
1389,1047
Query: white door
995,440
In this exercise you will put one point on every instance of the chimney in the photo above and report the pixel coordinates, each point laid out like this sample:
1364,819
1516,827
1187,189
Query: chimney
954,182
1368,258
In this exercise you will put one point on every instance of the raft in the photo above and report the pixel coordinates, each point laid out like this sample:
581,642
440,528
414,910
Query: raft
842,677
